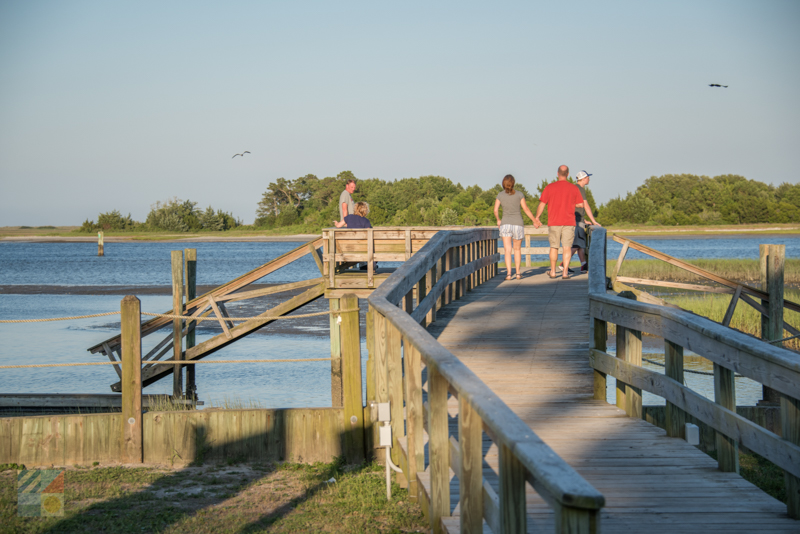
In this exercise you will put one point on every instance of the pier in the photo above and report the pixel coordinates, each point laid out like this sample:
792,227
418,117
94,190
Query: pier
497,392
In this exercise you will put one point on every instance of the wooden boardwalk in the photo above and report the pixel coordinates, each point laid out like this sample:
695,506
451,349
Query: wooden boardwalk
528,341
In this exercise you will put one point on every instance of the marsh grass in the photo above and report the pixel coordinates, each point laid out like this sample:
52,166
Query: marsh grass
236,403
221,499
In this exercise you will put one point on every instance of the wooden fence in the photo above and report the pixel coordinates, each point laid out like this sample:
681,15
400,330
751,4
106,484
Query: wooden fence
450,264
730,351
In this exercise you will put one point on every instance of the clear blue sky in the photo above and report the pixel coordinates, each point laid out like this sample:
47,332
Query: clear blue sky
115,105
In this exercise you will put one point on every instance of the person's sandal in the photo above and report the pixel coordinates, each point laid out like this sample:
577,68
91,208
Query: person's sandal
566,277
508,277
519,277
552,276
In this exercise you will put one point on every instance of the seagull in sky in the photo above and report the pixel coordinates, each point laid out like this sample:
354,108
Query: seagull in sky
242,154
716,85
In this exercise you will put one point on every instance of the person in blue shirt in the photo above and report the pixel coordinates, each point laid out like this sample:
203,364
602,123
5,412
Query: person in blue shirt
356,220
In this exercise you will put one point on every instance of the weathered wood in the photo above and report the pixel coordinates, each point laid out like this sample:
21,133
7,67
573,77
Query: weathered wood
527,248
394,384
370,258
633,355
673,362
430,281
598,340
726,321
337,398
210,346
370,429
790,431
108,351
422,292
100,251
177,324
408,251
470,430
131,450
220,317
351,381
190,268
414,416
749,434
439,447
677,285
234,285
513,516
725,396
621,396
618,265
330,255
773,284
317,258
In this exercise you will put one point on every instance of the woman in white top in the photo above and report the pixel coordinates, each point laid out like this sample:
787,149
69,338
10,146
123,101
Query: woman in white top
512,227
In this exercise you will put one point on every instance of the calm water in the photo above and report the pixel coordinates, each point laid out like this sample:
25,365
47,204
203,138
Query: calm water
148,264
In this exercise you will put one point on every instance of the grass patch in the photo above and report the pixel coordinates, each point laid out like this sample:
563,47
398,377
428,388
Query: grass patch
220,499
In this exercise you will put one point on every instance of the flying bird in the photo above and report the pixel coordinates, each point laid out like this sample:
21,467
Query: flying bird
242,154
716,85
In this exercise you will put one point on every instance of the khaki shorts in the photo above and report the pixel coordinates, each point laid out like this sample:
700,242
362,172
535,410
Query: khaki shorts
563,234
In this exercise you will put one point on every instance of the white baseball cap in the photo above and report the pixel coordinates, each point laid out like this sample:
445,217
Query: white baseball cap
581,175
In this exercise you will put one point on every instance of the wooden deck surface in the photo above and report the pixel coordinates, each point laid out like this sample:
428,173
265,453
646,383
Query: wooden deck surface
528,341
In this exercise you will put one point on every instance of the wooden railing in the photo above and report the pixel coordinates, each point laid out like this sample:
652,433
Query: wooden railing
730,351
527,250
450,264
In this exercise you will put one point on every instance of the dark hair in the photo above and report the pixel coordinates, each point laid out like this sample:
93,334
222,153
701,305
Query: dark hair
508,184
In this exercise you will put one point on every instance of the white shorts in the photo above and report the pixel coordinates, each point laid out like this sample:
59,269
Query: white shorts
512,230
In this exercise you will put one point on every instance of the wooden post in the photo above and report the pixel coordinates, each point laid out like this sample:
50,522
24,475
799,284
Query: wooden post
190,254
448,264
100,251
131,340
790,431
771,263
430,280
177,324
394,375
599,342
414,416
422,292
439,449
457,262
337,398
618,265
528,255
675,417
470,434
369,426
633,355
513,515
351,381
621,386
381,367
725,396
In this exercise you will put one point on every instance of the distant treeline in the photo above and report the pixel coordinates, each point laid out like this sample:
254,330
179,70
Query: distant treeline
309,203
424,201
174,215
686,199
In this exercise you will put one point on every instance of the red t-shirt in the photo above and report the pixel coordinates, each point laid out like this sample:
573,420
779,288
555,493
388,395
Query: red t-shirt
561,197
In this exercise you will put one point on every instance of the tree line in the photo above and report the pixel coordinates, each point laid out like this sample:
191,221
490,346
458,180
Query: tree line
309,204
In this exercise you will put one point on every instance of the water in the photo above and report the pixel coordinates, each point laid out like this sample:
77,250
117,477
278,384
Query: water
146,264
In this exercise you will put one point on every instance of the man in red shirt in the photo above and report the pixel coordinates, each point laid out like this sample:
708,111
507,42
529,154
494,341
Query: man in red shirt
562,198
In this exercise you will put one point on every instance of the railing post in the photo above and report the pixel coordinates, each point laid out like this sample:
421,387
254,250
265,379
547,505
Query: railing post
468,257
621,350
190,255
381,367
131,439
394,360
448,264
599,342
673,362
528,246
422,292
470,480
177,324
790,431
369,428
100,251
513,514
771,263
430,280
439,448
351,381
414,426
633,355
571,520
725,396
337,398
458,262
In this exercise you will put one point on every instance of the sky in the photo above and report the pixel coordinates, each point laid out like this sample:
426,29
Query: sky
117,105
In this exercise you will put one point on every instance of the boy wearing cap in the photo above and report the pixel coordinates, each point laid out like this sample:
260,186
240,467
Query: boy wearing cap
579,244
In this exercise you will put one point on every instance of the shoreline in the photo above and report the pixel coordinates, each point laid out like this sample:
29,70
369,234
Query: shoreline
299,238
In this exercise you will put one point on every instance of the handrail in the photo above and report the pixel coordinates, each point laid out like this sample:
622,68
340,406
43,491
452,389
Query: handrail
575,500
731,352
